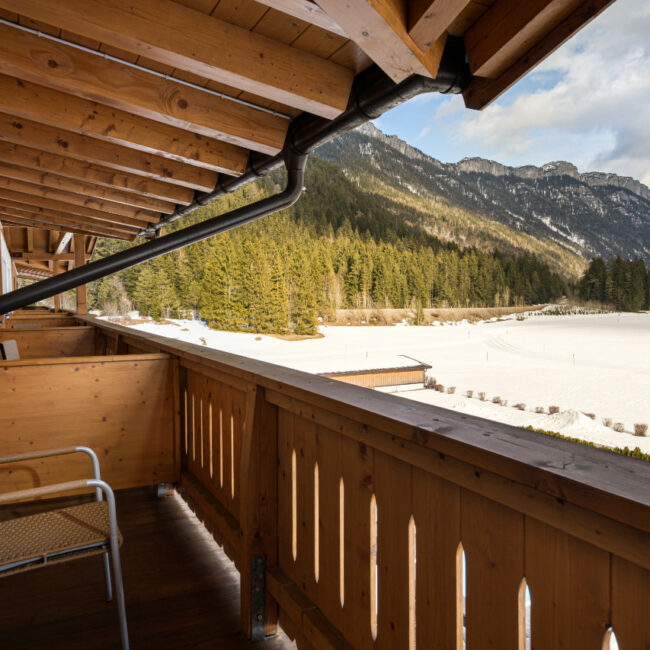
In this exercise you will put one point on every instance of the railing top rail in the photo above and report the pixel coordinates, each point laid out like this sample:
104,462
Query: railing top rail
613,485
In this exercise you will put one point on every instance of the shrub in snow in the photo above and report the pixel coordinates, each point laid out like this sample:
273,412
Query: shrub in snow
553,409
640,429
470,393
481,396
430,383
520,405
504,402
608,422
618,426
539,409
451,390
590,415
496,400
440,388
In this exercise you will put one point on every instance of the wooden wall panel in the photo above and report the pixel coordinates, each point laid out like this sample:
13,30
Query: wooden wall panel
123,408
41,322
56,342
630,604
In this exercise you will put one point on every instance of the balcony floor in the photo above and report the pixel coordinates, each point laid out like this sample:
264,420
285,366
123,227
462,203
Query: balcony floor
181,590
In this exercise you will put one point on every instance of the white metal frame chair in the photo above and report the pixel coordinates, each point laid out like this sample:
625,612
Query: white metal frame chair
71,533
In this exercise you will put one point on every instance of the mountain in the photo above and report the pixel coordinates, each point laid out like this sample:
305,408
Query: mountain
554,211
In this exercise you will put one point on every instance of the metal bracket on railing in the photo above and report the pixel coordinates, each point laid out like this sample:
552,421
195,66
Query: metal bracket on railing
258,597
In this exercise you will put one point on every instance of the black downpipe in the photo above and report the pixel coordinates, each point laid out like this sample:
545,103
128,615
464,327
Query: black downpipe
373,93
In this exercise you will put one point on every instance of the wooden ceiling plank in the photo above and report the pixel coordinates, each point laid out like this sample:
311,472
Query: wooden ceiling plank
379,28
85,189
429,19
68,208
508,30
24,210
483,91
308,11
35,189
47,257
170,33
66,68
58,109
53,140
49,225
71,168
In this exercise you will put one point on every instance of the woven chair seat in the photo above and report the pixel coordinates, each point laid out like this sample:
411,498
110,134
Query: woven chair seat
36,540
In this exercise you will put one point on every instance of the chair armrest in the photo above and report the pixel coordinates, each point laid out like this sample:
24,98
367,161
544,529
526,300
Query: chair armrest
33,493
15,458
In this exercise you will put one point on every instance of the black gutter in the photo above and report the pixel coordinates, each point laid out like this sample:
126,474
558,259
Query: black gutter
373,93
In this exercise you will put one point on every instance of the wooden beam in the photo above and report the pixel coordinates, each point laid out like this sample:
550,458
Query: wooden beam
169,33
46,222
46,257
483,91
308,11
47,138
507,30
85,189
30,240
79,243
428,20
54,108
109,82
62,242
71,168
106,218
379,28
136,215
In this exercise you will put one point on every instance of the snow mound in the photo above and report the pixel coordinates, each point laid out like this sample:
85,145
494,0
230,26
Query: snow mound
574,422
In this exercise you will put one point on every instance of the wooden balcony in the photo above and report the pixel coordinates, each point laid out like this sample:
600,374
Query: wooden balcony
361,518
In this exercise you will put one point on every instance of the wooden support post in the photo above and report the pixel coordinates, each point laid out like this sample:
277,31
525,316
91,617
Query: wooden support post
79,260
258,514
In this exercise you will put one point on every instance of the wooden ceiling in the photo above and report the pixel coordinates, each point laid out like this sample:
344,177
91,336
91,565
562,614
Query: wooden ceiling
113,112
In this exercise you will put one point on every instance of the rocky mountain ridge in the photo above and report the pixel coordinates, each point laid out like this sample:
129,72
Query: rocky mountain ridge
585,214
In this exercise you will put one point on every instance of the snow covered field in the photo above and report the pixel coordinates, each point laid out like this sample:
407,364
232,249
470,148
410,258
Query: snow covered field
596,364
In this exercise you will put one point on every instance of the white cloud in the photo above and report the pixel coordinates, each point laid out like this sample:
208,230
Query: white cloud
589,102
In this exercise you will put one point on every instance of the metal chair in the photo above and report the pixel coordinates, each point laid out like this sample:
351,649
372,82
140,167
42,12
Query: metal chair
35,541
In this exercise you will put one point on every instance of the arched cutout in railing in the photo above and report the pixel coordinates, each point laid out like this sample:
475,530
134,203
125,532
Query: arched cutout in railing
342,541
525,607
610,641
461,597
186,429
232,456
201,439
374,588
412,543
210,440
294,507
220,448
316,523
193,429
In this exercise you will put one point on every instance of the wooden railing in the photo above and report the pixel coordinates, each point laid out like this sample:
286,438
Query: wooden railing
363,520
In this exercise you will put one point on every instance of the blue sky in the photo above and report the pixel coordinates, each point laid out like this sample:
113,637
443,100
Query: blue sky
588,103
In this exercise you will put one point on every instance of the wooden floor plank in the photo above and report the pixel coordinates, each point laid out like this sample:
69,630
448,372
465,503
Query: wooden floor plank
181,591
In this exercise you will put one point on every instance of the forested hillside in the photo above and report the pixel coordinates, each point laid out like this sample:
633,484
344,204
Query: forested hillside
623,284
340,246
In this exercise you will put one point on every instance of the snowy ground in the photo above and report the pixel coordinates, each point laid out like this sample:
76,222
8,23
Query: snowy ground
582,363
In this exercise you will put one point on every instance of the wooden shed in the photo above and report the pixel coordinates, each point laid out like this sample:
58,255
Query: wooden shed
409,374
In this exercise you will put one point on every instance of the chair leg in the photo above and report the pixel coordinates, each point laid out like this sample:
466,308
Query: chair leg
107,577
119,591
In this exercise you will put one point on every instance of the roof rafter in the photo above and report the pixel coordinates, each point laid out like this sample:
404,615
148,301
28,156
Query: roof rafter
55,108
66,68
53,140
71,168
428,20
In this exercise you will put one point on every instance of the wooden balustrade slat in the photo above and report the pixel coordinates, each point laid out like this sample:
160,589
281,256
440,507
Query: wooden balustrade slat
630,604
493,540
569,582
393,489
285,522
436,508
